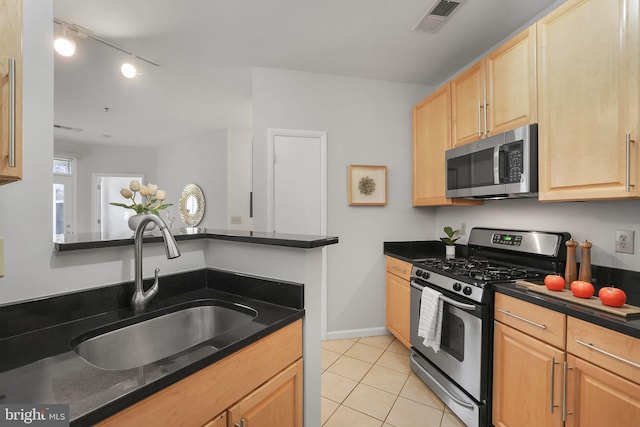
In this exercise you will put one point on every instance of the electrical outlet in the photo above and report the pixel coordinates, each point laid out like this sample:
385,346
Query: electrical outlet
236,220
463,229
624,241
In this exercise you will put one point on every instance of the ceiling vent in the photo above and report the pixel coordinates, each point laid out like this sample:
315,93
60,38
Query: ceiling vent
437,16
62,127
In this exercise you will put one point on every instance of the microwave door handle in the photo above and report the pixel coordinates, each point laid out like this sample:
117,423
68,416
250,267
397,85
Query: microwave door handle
497,165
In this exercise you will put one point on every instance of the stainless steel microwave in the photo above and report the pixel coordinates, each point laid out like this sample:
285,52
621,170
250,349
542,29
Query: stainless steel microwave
499,167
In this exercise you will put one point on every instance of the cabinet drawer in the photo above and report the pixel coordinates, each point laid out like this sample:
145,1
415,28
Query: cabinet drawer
399,268
616,352
539,322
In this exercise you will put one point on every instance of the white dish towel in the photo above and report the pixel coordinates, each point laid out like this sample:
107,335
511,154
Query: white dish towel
430,325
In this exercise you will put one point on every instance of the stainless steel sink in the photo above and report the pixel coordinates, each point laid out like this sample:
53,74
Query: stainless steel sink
153,339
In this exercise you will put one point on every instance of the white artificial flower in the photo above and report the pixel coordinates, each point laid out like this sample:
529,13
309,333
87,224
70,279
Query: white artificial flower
144,191
126,193
161,195
135,185
152,188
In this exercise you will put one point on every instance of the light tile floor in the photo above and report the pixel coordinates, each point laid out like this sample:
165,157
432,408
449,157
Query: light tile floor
368,382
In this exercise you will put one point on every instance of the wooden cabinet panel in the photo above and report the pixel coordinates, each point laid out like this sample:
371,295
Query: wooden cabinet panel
605,348
193,400
219,421
398,267
512,99
277,403
588,73
539,322
498,93
467,102
431,138
398,307
527,380
599,398
10,48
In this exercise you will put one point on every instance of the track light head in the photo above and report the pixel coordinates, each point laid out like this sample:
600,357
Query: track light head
64,45
128,70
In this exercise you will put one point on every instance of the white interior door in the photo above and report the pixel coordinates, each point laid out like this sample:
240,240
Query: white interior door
113,219
297,186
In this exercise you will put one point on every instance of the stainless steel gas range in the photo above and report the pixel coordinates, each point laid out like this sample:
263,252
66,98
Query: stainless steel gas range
460,371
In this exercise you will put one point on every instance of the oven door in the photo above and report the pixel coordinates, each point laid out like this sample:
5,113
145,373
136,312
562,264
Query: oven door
464,354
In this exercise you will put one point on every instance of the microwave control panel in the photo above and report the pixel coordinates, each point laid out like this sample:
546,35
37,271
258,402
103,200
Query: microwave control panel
514,162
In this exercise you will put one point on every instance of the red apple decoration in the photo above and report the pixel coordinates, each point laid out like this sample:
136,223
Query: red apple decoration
613,297
554,282
582,289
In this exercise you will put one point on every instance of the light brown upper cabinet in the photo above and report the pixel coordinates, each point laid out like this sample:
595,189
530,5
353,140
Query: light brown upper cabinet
431,138
497,93
588,68
10,91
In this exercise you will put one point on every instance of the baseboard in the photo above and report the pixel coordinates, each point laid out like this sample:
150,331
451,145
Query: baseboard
357,333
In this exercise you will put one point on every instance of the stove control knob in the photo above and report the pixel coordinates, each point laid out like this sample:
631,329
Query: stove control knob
467,290
423,274
457,286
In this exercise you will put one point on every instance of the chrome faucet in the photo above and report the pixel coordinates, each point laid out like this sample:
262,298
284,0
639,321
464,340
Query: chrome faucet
141,297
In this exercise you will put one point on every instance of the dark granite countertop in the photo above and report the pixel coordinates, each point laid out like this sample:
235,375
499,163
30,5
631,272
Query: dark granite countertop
38,364
72,242
600,318
413,251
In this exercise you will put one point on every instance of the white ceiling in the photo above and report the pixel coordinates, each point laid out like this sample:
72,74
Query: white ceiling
206,49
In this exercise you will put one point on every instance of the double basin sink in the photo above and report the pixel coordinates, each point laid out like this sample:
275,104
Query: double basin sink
152,339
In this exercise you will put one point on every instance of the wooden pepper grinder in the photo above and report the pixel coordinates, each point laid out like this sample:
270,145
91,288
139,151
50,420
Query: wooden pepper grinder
585,261
570,271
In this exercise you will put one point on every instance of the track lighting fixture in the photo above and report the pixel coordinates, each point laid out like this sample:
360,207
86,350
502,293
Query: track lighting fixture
66,46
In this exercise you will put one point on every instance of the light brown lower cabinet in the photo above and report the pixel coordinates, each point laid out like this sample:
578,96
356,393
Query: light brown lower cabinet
593,383
597,397
527,380
398,299
277,403
260,385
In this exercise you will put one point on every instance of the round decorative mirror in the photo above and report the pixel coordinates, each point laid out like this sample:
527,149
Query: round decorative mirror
191,205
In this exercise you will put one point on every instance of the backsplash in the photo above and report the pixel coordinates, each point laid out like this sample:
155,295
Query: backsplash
596,222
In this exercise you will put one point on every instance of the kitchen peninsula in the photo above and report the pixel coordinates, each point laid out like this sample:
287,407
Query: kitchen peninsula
280,257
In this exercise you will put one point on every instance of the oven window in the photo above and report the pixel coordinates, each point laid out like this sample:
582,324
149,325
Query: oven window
452,340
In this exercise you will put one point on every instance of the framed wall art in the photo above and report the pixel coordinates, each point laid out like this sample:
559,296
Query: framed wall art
367,185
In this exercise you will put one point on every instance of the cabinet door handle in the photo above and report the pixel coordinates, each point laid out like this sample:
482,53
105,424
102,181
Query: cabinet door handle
486,129
565,368
552,388
240,424
628,162
515,316
479,120
606,353
12,113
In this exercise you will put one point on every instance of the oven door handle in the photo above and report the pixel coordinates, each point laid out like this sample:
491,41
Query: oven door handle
451,301
444,389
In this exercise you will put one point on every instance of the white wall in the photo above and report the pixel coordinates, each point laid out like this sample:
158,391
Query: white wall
203,163
239,146
592,221
367,122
